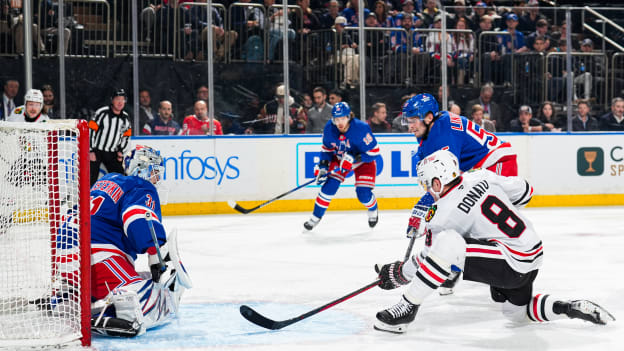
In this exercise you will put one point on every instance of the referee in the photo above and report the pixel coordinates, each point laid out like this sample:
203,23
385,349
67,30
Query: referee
110,132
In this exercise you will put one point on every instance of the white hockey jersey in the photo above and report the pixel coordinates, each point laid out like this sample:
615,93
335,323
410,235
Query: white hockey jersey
484,206
18,116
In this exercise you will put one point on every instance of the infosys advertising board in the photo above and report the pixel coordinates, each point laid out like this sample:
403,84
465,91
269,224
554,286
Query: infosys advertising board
200,169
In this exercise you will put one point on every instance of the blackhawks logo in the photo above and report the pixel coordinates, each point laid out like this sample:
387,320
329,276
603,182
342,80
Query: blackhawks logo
431,213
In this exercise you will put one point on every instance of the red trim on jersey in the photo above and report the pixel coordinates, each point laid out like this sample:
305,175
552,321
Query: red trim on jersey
454,186
139,211
519,253
374,151
486,251
502,146
97,250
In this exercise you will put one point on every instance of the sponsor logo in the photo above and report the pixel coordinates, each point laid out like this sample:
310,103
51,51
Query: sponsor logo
186,166
590,161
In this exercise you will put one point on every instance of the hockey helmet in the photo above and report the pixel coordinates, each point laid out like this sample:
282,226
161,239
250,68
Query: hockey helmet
419,106
34,95
341,109
441,165
144,162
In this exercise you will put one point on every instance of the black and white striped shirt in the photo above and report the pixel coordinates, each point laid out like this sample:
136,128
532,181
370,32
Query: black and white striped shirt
108,131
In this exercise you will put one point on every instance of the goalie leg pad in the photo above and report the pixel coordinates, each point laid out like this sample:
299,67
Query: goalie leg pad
109,326
183,277
154,303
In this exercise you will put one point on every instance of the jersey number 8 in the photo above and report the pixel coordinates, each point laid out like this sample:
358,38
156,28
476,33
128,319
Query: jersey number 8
506,220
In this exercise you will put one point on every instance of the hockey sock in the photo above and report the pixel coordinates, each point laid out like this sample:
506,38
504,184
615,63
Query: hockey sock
328,190
366,197
544,308
429,276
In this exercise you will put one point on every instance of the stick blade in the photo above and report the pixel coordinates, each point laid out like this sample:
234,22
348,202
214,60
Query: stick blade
237,207
256,318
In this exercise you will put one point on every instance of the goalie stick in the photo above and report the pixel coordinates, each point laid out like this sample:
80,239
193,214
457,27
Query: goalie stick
256,318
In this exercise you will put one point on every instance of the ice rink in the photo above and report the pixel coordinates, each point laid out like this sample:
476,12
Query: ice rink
268,262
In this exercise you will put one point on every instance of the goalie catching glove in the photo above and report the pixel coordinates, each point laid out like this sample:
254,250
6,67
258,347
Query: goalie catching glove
391,275
320,171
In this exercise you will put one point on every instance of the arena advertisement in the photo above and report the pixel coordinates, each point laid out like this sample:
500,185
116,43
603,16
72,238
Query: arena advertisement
256,168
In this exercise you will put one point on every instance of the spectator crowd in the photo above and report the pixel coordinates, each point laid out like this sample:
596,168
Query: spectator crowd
520,28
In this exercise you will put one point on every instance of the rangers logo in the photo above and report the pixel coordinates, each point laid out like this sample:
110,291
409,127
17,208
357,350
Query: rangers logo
431,213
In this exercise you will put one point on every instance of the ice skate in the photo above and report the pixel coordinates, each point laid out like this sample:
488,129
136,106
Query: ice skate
586,310
395,319
311,223
447,287
373,218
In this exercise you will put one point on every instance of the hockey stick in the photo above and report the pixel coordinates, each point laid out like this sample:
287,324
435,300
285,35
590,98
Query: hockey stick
161,262
409,248
242,210
256,318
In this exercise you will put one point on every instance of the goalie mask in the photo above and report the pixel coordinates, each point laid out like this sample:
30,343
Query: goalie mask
145,162
441,165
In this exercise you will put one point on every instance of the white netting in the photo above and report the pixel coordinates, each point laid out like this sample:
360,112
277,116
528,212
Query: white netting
39,248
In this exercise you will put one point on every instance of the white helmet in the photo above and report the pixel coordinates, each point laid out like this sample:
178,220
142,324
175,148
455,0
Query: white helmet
34,95
144,162
442,165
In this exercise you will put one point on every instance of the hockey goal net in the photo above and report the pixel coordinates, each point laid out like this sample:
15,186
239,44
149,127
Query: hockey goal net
44,234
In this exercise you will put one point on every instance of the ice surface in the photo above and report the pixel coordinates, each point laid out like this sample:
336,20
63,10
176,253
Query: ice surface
268,262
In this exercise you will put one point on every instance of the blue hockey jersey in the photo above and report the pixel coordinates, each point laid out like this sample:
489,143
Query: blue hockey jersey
474,146
358,141
118,223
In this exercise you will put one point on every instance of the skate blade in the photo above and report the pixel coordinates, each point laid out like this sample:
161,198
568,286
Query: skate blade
395,329
445,291
603,315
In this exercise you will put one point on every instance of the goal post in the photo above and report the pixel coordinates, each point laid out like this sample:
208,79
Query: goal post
44,234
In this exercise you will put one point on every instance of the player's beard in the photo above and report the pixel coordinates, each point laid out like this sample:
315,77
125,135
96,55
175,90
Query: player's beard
427,128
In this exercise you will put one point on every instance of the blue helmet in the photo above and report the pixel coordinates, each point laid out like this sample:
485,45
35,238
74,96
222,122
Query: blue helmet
341,109
142,161
420,105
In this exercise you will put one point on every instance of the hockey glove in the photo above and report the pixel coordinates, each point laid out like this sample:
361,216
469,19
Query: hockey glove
416,224
346,164
391,275
320,171
159,271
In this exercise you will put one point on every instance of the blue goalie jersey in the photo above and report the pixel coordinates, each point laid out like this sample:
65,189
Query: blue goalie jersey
118,221
358,141
472,145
